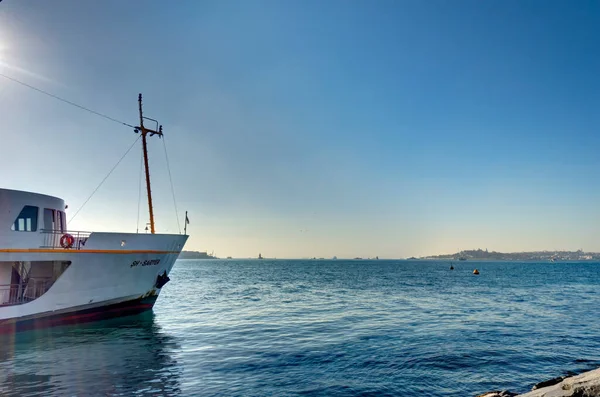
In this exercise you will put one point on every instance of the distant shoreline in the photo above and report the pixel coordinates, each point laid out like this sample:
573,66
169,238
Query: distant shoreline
485,255
421,259
195,255
462,256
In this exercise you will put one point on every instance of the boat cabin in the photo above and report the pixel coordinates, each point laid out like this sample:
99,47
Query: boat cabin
30,224
26,218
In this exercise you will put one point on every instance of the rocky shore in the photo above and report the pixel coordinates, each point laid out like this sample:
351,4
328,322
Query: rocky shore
586,384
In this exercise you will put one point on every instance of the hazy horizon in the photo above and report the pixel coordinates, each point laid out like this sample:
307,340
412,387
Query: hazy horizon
428,257
311,129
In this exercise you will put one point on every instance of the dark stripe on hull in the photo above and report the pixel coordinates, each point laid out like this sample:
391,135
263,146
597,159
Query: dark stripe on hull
80,316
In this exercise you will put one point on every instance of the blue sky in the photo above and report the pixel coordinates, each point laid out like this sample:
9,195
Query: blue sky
310,128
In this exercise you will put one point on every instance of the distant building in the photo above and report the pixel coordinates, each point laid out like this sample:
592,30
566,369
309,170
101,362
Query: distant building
195,255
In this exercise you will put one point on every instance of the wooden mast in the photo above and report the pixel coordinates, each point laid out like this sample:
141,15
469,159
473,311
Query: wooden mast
144,131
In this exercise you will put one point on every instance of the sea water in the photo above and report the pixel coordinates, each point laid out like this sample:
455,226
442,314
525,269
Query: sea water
326,328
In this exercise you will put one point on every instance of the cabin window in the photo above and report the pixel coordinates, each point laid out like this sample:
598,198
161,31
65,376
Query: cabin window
63,221
54,220
27,220
49,222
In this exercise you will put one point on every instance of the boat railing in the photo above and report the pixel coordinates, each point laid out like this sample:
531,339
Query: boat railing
54,239
16,294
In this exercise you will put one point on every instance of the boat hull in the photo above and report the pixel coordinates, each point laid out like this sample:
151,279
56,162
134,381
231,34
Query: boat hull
82,316
115,274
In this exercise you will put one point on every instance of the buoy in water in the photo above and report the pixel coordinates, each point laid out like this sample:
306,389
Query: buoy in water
475,271
451,267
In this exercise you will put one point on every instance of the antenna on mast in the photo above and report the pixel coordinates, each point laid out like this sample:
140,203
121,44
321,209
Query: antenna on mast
145,131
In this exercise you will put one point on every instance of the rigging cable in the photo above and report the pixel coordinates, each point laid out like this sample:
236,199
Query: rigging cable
171,181
65,101
128,150
105,178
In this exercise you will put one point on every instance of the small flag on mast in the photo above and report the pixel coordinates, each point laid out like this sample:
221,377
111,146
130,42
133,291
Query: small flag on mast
187,222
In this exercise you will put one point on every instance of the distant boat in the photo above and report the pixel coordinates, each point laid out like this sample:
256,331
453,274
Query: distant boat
462,258
228,257
335,257
260,256
376,258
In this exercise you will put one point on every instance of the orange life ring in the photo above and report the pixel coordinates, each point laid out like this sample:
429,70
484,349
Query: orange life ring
67,241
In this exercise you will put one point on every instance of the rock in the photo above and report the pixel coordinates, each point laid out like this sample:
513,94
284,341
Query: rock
550,382
584,385
503,393
554,381
489,394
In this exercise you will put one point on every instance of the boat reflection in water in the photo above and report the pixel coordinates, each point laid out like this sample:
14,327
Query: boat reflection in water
127,356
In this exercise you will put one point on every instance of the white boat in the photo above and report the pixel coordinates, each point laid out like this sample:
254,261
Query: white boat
52,276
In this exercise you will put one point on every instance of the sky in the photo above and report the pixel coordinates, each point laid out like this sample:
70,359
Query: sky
314,128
